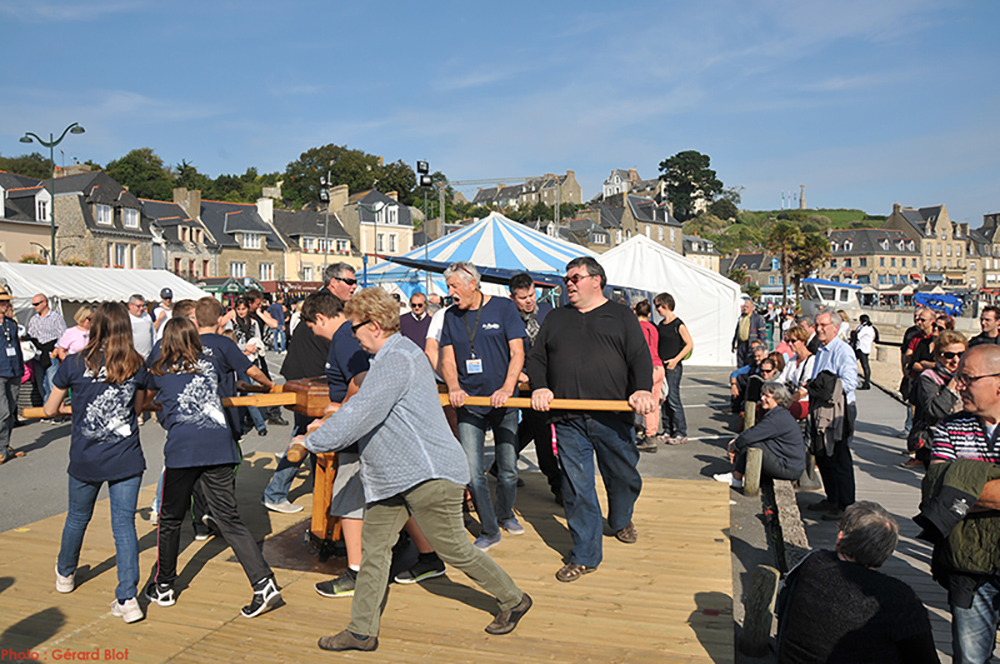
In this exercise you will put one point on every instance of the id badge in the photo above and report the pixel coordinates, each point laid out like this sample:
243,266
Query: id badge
12,352
474,366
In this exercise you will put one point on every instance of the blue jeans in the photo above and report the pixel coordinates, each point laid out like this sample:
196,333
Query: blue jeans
46,383
82,496
612,439
279,340
258,419
973,630
674,422
276,491
472,435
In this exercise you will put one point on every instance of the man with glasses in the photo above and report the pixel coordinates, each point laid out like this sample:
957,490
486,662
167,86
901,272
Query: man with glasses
11,372
966,561
749,328
593,349
413,324
162,312
482,353
989,321
45,328
837,470
142,325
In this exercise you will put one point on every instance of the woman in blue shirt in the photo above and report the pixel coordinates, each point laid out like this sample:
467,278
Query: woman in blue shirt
199,445
106,377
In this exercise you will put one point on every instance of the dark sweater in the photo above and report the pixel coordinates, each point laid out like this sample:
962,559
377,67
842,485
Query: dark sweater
306,356
601,354
837,611
780,433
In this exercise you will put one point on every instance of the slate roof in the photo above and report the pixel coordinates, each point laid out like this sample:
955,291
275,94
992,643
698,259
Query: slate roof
13,181
99,187
868,241
485,196
920,219
365,215
311,223
699,245
647,210
169,217
224,220
747,262
611,217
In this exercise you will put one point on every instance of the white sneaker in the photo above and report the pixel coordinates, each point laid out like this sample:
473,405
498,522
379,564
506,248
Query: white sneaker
65,584
130,611
728,479
284,507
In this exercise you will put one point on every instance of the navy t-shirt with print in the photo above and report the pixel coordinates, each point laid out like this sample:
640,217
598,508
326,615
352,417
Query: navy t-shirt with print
229,361
498,324
105,441
198,433
345,360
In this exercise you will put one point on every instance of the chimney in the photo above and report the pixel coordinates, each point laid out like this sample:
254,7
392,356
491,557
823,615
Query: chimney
189,200
896,207
393,195
338,198
633,175
265,208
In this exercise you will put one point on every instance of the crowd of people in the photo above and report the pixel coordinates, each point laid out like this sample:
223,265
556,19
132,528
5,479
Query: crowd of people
408,466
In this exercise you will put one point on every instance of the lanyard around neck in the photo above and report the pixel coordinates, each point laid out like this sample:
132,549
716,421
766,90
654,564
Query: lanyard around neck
472,333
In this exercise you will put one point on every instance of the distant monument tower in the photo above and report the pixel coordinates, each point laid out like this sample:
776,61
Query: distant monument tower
802,197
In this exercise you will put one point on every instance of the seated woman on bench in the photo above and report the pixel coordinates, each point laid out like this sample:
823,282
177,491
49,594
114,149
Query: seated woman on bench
776,434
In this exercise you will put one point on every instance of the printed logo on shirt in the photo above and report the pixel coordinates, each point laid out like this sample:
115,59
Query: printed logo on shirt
491,326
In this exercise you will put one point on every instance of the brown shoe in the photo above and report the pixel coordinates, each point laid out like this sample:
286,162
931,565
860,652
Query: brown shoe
348,641
506,621
628,534
573,571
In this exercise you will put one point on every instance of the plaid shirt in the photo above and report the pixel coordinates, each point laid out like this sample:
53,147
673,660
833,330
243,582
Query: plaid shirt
49,328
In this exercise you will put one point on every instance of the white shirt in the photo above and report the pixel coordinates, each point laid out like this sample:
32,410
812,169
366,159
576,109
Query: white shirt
437,324
866,337
142,333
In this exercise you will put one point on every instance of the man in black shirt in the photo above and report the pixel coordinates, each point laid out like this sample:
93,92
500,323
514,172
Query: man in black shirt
836,608
306,358
989,321
593,349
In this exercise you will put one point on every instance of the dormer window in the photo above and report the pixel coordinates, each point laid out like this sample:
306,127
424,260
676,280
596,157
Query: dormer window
41,210
884,244
130,218
103,214
251,241
183,233
198,236
900,245
847,245
911,246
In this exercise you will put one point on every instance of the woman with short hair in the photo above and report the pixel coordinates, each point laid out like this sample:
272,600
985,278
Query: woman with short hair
776,434
74,339
935,395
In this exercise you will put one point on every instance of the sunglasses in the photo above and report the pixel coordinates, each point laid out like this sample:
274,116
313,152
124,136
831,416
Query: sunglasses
950,356
37,304
416,305
349,282
355,328
576,278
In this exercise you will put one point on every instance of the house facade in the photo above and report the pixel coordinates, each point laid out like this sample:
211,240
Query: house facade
315,239
628,182
877,256
379,223
702,252
180,243
943,244
624,215
25,224
548,189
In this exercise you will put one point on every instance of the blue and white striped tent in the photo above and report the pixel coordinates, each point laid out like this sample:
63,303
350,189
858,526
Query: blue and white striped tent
494,241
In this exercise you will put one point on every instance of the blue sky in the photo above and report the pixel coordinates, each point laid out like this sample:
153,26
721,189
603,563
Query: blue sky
866,103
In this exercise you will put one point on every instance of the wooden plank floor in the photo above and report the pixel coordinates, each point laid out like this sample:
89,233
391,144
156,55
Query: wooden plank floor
665,599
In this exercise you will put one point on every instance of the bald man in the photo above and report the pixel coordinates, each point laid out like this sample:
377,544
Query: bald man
973,597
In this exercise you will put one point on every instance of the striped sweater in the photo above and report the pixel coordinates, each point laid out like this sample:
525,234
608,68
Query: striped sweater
964,436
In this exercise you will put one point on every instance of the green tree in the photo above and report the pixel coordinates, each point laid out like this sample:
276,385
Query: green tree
32,165
811,251
188,177
752,289
689,179
782,239
359,170
142,171
738,275
723,209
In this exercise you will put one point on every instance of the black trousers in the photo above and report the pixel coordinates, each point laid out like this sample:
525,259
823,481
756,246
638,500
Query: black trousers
771,465
865,367
219,486
837,471
533,427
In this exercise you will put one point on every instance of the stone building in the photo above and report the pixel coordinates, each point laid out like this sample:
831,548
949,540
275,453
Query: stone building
25,226
877,256
181,243
943,244
624,215
315,239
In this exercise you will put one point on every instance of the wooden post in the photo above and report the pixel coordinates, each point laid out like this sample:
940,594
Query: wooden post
751,479
763,591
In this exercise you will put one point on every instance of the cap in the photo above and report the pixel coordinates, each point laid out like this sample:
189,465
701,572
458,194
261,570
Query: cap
166,294
4,295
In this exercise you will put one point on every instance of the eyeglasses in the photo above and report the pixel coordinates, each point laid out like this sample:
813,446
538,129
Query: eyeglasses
577,278
355,328
949,355
37,304
965,380
348,281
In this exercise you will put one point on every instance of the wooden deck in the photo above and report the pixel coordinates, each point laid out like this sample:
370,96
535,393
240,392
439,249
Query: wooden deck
665,599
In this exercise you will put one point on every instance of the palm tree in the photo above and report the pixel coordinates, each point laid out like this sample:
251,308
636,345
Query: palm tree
812,250
782,239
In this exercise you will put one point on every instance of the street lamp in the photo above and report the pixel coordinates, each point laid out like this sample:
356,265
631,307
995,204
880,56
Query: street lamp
324,196
374,208
51,144
424,182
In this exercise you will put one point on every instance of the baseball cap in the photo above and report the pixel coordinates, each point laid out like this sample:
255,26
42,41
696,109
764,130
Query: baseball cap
166,294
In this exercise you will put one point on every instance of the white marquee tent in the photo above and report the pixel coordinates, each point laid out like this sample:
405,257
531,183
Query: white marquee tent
707,302
68,286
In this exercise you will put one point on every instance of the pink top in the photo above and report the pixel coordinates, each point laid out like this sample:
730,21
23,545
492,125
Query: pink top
652,340
74,340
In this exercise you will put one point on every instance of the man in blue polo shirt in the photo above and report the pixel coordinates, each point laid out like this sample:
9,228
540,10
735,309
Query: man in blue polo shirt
482,353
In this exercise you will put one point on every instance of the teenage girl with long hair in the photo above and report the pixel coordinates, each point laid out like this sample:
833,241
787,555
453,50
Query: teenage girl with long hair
107,379
199,445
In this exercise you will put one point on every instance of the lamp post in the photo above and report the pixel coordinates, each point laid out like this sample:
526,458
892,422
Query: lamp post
324,196
424,181
51,144
374,208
